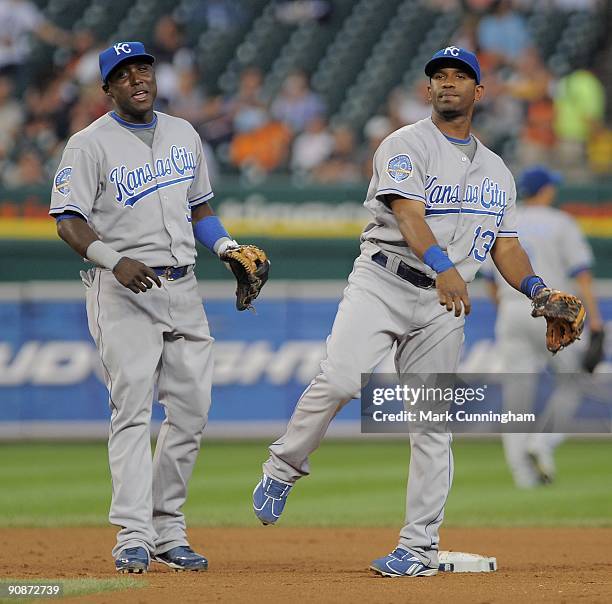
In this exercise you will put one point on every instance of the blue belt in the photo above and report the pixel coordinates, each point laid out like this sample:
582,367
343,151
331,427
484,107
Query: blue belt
171,273
406,272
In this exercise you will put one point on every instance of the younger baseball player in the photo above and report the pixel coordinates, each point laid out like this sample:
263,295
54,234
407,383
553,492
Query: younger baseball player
131,196
559,252
441,202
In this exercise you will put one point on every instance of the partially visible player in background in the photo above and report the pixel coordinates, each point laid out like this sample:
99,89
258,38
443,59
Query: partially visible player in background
559,253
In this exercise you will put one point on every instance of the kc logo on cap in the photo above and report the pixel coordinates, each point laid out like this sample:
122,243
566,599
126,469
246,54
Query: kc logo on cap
452,50
458,56
121,51
122,47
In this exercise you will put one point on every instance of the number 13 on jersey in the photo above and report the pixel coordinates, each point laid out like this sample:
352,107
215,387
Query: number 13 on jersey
483,241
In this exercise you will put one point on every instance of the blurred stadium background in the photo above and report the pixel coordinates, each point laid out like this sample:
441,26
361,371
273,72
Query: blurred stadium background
290,98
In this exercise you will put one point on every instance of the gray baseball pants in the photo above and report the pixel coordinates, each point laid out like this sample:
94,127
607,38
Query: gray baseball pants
159,337
380,309
522,348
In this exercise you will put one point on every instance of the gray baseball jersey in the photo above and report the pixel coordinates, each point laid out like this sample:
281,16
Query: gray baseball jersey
137,199
467,204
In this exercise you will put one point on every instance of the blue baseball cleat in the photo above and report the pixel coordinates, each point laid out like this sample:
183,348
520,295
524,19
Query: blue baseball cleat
182,558
269,498
401,563
132,560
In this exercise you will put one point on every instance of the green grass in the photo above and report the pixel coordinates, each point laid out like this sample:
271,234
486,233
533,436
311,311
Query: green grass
73,587
353,483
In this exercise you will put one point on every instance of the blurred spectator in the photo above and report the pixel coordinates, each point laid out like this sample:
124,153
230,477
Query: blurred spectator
217,15
531,80
299,11
85,62
19,19
265,149
416,106
498,116
11,116
38,134
503,33
377,128
26,171
532,83
189,102
90,106
579,112
51,102
343,163
222,15
242,112
171,56
296,103
407,108
311,147
248,109
467,34
599,151
537,139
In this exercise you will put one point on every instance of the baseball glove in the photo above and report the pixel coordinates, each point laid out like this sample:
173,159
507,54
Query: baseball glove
595,352
564,316
250,266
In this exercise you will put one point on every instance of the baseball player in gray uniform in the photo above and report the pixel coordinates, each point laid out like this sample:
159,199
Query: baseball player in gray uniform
559,252
131,195
441,202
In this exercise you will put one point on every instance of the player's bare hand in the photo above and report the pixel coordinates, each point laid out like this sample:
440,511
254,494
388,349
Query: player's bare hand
135,275
452,292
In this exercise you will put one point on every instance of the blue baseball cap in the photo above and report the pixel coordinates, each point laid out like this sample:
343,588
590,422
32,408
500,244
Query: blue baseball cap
118,53
454,54
533,179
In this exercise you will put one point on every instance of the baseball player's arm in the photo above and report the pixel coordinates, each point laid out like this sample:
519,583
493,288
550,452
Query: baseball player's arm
201,211
209,231
511,260
584,281
134,275
451,288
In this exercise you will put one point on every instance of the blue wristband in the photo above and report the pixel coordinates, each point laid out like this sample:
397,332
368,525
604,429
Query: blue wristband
436,259
531,285
208,231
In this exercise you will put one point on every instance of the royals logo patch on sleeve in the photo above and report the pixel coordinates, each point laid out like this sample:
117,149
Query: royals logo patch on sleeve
62,180
400,167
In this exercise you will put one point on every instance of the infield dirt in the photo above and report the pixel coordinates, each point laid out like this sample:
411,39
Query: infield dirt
294,565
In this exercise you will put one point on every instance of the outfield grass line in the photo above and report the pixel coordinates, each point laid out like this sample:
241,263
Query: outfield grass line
352,482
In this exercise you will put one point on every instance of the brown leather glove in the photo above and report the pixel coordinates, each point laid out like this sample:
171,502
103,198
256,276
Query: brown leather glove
564,314
250,266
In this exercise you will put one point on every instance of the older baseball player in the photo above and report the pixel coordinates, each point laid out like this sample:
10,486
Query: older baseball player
131,196
441,202
559,252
